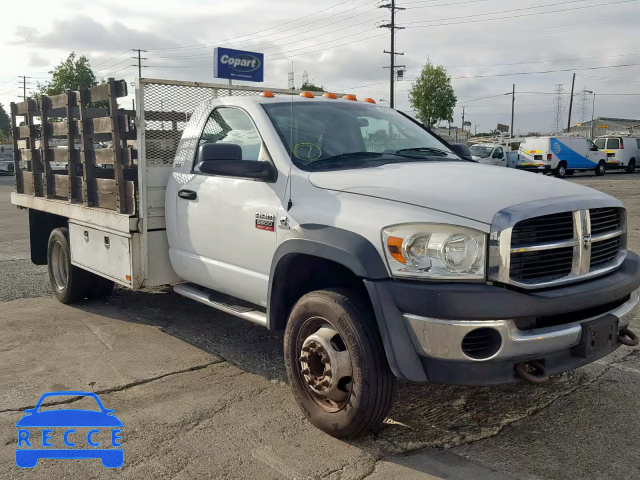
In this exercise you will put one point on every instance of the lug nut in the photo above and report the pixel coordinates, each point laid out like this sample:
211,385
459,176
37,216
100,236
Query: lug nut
306,371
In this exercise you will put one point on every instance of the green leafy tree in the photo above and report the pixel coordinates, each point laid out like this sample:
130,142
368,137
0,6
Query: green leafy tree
310,87
5,125
432,96
71,74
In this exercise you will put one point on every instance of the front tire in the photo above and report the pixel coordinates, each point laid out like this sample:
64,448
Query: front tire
70,284
336,363
601,169
631,166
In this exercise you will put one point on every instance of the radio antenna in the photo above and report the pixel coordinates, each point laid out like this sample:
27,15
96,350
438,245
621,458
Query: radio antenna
291,149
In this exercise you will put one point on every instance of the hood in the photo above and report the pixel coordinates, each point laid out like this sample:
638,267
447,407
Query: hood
477,158
464,189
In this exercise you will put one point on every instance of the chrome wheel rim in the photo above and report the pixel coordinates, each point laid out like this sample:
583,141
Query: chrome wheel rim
325,365
59,266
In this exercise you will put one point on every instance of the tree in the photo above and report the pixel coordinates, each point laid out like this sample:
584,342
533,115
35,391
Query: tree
70,74
5,125
310,87
432,96
467,124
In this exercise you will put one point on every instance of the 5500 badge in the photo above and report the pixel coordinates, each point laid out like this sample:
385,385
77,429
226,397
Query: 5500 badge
39,430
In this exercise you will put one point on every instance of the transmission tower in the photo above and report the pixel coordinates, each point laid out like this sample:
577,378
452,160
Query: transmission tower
305,78
584,105
558,104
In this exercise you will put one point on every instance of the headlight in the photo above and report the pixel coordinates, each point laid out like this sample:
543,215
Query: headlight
442,252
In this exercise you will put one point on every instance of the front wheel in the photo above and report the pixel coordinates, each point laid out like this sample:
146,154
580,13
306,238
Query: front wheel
631,166
601,169
336,363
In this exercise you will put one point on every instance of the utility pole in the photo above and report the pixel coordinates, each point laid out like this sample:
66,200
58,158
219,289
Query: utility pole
463,118
573,83
513,107
393,28
139,58
24,84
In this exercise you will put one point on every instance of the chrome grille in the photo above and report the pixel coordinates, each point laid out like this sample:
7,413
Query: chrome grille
604,252
545,264
566,246
604,220
548,228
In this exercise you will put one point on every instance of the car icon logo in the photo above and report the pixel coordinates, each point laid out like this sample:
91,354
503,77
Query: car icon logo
83,433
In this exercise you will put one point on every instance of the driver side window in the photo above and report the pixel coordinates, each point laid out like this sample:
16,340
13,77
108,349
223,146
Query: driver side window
228,125
498,153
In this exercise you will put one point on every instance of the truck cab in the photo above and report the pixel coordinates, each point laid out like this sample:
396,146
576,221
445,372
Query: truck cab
378,251
490,154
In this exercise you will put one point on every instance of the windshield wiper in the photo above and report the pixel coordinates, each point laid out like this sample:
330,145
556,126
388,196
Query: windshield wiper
423,150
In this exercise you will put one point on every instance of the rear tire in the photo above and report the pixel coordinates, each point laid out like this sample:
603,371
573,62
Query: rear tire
336,363
601,169
70,284
631,166
561,170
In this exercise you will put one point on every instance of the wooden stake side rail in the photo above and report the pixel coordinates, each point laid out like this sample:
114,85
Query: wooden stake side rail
74,117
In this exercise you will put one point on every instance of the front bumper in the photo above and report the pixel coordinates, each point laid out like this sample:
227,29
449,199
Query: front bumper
439,343
422,324
534,167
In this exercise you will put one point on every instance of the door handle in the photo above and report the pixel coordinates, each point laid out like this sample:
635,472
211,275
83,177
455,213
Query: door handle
187,194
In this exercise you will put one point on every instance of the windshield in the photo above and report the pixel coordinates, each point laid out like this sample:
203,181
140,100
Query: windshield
480,151
340,133
600,143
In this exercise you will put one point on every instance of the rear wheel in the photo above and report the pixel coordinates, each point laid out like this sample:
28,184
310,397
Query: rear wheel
336,363
631,167
561,170
69,283
601,169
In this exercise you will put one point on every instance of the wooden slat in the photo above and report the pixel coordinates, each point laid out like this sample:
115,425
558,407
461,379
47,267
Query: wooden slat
28,155
75,182
28,182
116,140
106,156
107,195
101,92
59,154
59,101
91,112
61,187
60,129
22,108
100,125
26,131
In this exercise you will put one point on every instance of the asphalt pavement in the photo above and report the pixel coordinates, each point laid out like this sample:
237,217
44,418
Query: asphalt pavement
203,394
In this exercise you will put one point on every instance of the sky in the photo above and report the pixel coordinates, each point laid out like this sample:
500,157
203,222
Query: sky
485,45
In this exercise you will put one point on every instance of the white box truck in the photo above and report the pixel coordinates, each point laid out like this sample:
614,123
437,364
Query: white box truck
406,261
563,155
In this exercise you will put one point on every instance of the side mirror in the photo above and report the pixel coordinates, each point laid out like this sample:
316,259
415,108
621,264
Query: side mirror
462,150
240,168
225,159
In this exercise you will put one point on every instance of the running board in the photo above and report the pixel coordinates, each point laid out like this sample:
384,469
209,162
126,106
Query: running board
210,298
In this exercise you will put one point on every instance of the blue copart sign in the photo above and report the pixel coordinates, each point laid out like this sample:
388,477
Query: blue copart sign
238,65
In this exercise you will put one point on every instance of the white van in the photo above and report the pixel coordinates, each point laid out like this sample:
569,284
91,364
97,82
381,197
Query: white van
622,152
563,155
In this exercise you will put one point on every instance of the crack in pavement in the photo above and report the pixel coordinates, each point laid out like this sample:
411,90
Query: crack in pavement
534,410
121,387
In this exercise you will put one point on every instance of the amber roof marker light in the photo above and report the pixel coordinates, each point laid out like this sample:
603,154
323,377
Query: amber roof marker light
350,97
307,95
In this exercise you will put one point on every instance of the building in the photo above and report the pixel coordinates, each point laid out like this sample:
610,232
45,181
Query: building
606,126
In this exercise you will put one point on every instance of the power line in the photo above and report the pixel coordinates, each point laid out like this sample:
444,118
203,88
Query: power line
113,58
201,45
508,17
443,4
545,61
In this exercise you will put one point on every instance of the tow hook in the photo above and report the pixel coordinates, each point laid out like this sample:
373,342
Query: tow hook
533,371
627,337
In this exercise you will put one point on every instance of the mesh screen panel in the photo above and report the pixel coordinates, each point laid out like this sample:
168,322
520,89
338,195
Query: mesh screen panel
168,108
